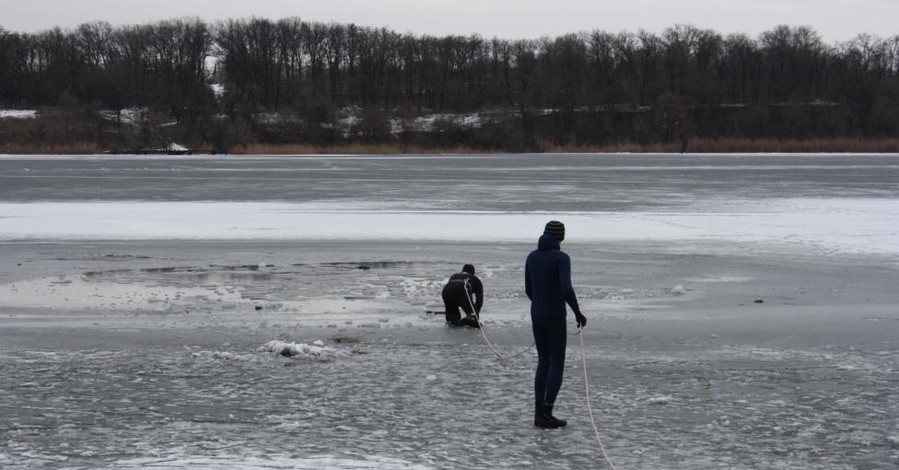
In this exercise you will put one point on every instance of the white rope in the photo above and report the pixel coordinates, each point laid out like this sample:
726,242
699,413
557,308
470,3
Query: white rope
580,333
477,318
504,358
590,406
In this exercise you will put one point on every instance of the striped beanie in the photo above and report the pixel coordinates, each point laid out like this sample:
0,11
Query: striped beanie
556,229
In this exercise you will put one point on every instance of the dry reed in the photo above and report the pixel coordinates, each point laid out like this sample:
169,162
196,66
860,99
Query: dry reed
71,148
697,145
348,149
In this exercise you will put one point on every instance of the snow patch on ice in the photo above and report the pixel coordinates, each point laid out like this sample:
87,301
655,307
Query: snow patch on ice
84,293
222,355
824,226
660,400
316,351
720,279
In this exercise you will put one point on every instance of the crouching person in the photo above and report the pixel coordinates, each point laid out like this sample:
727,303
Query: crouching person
457,294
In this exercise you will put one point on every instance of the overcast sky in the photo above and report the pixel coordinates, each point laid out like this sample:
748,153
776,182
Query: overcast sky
834,20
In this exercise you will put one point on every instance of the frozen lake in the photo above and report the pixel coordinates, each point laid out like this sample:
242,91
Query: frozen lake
479,182
742,311
838,203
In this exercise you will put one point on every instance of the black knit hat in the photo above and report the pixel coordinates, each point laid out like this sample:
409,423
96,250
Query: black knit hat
556,229
468,268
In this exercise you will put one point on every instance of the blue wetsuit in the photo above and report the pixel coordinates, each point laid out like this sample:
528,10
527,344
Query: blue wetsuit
547,281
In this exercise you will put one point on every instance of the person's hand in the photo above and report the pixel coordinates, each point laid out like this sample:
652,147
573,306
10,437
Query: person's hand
581,319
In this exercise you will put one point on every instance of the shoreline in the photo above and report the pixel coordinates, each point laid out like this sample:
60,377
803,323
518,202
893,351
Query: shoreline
696,146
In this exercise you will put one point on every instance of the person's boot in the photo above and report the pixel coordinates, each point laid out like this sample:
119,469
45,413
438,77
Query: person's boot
471,320
538,414
544,418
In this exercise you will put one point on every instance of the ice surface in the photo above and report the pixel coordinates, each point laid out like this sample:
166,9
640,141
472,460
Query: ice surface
821,225
138,350
819,204
267,462
805,380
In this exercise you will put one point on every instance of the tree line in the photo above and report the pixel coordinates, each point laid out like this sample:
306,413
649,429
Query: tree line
592,86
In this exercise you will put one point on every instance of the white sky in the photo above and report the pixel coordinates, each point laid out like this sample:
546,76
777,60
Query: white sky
834,20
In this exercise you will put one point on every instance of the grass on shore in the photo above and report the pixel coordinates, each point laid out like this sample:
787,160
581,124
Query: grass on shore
351,149
71,148
840,145
837,145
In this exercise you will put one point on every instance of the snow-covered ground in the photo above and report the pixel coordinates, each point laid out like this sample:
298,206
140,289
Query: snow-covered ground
162,312
132,116
434,122
18,113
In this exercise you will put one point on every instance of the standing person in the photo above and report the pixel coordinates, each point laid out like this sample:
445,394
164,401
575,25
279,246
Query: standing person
457,293
547,282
